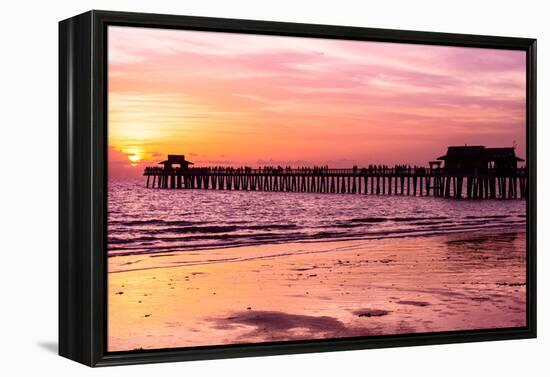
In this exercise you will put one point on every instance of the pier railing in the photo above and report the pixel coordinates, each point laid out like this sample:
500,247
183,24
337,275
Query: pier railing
374,180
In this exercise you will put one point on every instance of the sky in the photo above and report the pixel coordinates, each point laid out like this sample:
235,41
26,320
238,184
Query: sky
225,99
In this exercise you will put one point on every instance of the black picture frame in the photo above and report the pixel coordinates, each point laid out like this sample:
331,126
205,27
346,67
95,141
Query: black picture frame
83,183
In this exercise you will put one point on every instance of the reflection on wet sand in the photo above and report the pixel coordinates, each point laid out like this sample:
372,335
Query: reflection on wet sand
284,326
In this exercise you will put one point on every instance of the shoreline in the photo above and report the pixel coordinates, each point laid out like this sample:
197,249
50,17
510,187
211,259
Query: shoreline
183,251
179,254
319,290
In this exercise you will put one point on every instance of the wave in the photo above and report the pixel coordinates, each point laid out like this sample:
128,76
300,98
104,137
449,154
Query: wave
151,244
395,219
154,222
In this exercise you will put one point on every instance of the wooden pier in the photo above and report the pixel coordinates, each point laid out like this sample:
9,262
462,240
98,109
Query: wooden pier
407,181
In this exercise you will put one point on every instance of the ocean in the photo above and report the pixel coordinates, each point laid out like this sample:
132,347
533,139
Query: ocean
153,221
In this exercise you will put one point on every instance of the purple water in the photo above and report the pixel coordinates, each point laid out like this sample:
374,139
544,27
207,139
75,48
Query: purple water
148,221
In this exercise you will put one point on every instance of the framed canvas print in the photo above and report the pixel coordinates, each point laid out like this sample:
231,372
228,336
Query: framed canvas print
237,188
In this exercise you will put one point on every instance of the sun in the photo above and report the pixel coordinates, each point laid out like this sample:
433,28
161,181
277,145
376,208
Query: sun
135,154
134,159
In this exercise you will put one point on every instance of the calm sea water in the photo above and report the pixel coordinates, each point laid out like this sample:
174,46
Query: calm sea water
148,221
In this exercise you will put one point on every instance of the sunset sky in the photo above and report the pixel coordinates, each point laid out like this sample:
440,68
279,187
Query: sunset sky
238,99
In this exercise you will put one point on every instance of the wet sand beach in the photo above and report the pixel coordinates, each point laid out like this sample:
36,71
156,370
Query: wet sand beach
310,290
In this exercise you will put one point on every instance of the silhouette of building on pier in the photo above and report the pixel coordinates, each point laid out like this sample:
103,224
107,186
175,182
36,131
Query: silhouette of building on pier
478,159
503,158
467,159
468,171
175,159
